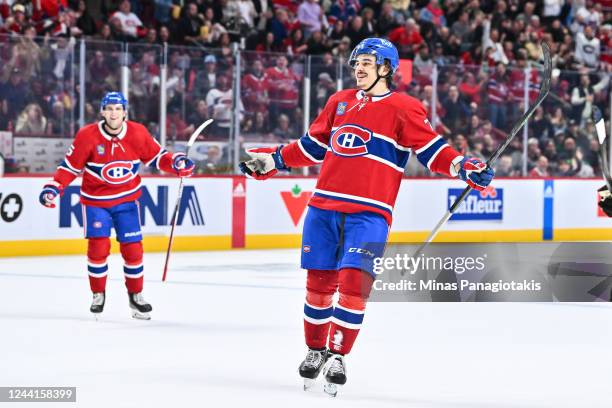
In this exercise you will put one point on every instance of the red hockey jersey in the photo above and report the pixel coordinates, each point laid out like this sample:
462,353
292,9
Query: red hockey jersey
110,163
364,144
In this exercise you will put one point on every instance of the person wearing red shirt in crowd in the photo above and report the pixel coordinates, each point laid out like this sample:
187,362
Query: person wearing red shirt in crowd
498,94
283,88
255,89
407,38
470,88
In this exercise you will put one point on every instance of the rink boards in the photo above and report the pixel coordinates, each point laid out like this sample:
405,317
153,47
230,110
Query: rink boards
232,212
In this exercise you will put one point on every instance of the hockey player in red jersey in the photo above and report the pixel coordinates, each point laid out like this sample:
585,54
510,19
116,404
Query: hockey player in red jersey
363,138
109,154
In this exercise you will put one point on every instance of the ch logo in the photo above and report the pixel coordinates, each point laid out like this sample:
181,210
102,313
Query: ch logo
350,140
118,172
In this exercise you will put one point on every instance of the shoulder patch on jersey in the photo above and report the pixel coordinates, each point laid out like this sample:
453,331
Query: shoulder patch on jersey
341,109
100,149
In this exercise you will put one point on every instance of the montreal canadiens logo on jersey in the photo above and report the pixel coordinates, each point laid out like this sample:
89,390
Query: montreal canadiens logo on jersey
118,172
350,140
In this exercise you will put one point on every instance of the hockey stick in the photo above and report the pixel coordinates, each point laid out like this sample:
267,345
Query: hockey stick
600,129
190,143
500,149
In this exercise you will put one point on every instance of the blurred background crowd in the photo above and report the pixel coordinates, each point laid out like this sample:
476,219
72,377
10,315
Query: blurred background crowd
474,65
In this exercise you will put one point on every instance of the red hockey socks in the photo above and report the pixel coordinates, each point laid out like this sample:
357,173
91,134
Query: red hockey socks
354,286
132,255
320,288
97,267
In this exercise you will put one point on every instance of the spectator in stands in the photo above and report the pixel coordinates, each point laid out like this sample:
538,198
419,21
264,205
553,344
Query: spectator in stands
219,101
189,27
31,121
164,35
407,38
457,111
150,38
388,19
200,114
255,89
315,44
129,22
356,31
85,21
541,168
498,94
325,87
582,99
5,117
588,48
283,131
59,122
296,43
343,49
310,15
504,167
14,90
282,88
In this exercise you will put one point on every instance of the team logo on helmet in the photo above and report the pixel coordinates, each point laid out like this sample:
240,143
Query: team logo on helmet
350,140
118,172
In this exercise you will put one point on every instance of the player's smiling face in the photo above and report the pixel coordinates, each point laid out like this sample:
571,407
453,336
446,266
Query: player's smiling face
114,115
365,70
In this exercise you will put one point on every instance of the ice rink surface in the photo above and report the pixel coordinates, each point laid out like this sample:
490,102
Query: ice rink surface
226,331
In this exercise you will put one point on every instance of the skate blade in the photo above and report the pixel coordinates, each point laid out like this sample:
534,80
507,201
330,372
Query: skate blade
140,315
331,389
309,383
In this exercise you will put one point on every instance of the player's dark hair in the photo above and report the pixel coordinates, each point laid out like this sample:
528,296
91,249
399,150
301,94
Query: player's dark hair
389,76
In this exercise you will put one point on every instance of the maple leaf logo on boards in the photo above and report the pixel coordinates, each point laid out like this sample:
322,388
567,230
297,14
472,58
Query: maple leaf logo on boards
296,202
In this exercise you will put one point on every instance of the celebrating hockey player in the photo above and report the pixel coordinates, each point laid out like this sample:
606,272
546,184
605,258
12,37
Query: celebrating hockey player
363,137
109,154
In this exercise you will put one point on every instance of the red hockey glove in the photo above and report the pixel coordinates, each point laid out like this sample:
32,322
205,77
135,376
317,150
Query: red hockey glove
475,173
48,194
265,162
183,165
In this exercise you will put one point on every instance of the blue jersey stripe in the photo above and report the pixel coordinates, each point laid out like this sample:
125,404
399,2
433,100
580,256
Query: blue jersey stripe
428,153
313,148
349,200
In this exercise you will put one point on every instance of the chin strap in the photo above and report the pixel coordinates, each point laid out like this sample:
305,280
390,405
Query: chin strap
378,78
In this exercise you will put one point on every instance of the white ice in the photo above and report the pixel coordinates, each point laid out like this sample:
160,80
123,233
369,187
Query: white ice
226,330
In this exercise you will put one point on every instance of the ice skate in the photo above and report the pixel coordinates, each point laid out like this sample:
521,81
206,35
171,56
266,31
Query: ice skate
97,305
140,307
311,366
335,373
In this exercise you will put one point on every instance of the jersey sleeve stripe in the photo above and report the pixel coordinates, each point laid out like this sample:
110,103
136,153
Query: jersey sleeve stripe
154,162
314,139
433,157
428,145
64,167
425,156
311,150
69,165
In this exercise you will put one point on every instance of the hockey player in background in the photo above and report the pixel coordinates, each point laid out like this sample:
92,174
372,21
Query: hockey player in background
109,154
363,138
